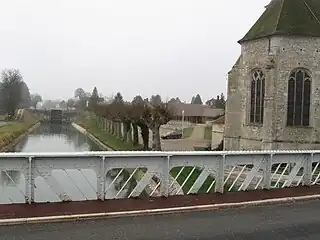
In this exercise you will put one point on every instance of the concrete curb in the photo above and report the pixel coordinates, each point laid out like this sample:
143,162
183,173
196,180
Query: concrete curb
93,138
146,212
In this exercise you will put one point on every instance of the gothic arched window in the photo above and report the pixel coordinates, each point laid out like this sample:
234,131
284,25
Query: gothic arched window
299,91
257,96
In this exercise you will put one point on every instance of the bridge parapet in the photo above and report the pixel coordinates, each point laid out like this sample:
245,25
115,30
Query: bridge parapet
52,177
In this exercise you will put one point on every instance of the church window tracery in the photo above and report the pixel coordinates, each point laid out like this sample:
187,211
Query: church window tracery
299,91
257,96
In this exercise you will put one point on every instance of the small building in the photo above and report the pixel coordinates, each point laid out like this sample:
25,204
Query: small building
194,113
211,102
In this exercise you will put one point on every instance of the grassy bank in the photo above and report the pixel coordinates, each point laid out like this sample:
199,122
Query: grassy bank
187,132
14,129
90,124
207,187
187,186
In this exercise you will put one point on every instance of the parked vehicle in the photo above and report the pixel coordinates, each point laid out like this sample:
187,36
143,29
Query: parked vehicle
172,135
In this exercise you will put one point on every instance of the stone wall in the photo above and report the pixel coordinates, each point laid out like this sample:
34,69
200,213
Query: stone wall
233,108
276,58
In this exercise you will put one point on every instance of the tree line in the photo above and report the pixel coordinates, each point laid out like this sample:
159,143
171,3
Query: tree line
14,93
81,97
143,113
218,102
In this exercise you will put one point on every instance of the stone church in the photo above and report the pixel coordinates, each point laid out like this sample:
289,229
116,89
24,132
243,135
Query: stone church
273,88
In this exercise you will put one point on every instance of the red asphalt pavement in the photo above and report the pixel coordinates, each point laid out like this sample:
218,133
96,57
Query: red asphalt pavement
8,211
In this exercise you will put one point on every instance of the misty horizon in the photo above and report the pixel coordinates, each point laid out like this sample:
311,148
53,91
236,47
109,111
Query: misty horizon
172,48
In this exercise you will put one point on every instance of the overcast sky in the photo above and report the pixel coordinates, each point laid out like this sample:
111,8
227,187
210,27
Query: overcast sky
171,47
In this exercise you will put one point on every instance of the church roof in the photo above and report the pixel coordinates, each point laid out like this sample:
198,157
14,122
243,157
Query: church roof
287,18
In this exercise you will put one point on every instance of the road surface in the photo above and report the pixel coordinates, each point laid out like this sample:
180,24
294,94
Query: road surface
298,221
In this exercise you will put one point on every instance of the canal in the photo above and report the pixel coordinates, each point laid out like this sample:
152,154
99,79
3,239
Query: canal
56,138
78,184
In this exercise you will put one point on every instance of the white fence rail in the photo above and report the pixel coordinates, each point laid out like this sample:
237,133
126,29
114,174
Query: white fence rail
52,177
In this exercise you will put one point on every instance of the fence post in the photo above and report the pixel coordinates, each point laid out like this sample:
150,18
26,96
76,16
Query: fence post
101,180
267,172
164,186
29,185
307,169
219,186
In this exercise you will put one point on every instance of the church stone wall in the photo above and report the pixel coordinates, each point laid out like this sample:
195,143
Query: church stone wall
239,134
276,59
250,144
232,130
294,53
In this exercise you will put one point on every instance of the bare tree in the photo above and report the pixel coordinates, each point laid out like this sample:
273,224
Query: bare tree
35,99
82,97
138,113
71,103
154,116
79,93
11,90
139,106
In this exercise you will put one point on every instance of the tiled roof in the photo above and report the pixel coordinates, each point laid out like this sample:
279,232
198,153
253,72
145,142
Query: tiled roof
287,18
194,110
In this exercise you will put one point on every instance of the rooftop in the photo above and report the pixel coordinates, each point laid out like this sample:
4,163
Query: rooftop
195,110
287,18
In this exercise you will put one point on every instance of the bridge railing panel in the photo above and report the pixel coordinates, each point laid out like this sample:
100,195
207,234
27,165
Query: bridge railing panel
52,177
133,177
193,173
64,178
14,174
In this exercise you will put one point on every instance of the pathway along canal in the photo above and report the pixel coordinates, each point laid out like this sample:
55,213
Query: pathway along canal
79,185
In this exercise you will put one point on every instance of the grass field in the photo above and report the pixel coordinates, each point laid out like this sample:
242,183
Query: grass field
113,142
207,187
14,129
187,132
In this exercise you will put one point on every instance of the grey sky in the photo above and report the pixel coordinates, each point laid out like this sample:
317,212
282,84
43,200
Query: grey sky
171,47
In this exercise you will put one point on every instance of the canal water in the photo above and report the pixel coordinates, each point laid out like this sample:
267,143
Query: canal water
56,138
78,184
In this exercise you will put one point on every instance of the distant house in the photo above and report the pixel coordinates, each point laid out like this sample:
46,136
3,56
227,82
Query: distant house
212,102
195,113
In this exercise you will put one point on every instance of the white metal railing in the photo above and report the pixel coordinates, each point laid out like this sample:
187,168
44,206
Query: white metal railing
51,177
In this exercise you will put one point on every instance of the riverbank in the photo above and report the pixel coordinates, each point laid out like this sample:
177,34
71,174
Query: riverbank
12,133
109,142
92,137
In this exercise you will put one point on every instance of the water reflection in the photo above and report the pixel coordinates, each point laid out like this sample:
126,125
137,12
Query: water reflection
56,138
